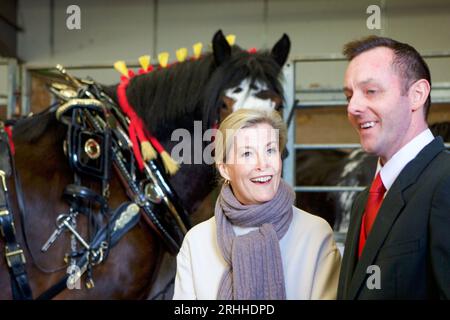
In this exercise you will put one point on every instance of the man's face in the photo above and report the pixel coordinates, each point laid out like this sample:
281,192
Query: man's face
378,107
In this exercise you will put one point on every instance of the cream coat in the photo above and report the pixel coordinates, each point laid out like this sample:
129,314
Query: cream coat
311,260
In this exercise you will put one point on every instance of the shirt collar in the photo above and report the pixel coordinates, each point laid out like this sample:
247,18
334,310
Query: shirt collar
391,169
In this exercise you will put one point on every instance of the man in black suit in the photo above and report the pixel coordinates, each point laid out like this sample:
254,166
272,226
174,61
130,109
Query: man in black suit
398,242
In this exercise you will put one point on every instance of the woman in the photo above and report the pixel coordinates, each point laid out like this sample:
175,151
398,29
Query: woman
257,245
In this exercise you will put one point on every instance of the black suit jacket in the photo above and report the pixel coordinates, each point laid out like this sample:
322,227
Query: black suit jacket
410,238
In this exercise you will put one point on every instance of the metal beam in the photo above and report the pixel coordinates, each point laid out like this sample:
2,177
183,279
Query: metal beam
332,57
328,188
289,92
326,146
11,87
25,87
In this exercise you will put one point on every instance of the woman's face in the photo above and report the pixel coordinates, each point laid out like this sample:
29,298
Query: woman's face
253,165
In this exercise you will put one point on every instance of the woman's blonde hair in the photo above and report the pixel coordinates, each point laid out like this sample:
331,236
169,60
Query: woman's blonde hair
245,118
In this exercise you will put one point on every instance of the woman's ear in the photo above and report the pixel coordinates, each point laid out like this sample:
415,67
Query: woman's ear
419,92
223,170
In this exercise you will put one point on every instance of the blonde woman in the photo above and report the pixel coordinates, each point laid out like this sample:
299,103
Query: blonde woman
258,245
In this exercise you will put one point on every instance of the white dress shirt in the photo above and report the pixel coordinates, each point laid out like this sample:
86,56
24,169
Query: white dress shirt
391,169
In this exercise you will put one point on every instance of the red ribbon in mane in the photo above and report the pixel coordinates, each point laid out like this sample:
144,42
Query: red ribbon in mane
8,130
136,129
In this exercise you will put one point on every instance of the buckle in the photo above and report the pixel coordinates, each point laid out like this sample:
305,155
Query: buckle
9,254
2,214
3,176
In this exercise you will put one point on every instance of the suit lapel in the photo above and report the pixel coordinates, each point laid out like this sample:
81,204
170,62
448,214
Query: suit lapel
351,245
390,209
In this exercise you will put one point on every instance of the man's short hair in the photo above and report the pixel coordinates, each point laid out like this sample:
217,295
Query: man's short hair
407,61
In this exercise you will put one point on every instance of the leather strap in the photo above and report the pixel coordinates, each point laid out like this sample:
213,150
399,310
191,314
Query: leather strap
14,255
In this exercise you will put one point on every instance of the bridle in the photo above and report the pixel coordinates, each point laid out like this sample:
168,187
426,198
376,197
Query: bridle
97,142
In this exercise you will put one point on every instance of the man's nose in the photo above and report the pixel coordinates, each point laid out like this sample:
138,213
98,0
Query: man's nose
355,106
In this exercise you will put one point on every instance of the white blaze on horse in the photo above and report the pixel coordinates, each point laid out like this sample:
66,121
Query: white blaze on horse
249,95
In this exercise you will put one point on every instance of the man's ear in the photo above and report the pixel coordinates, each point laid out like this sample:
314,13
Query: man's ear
223,170
418,93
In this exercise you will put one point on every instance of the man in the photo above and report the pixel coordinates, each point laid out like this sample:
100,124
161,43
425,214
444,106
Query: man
398,242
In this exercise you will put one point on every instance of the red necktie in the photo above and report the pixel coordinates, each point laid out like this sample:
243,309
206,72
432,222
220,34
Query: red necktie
374,200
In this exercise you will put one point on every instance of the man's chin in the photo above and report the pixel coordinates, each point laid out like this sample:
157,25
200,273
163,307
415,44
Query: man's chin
368,148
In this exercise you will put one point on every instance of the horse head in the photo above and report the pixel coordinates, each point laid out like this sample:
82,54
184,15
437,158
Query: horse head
205,89
248,78
209,87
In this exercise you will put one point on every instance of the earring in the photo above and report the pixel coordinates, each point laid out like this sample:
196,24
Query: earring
227,182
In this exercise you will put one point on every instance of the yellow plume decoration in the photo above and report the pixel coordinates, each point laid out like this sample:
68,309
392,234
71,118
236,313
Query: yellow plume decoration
144,61
181,54
148,152
170,164
121,67
231,39
197,49
163,59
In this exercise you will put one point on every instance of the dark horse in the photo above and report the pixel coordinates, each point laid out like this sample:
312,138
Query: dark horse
339,168
165,99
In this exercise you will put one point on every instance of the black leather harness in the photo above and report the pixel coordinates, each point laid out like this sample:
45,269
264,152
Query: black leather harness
96,143
15,258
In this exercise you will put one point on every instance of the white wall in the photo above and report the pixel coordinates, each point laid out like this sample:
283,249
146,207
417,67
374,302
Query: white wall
112,30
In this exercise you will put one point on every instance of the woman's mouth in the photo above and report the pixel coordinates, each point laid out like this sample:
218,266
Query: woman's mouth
262,179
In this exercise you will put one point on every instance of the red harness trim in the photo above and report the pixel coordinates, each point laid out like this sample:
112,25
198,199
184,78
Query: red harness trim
8,130
136,130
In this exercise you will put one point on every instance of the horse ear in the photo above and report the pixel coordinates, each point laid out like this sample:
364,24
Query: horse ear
221,48
280,50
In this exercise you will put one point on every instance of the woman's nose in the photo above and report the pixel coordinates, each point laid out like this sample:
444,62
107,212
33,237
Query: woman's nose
262,161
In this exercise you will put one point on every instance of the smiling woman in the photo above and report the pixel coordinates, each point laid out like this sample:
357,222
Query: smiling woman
248,155
253,164
257,245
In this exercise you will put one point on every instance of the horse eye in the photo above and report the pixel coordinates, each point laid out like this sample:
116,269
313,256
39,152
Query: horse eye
237,90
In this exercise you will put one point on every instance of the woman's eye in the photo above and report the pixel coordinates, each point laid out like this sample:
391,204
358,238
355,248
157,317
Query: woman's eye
246,154
370,92
271,150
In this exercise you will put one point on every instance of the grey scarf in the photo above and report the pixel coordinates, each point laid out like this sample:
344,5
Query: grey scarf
254,259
